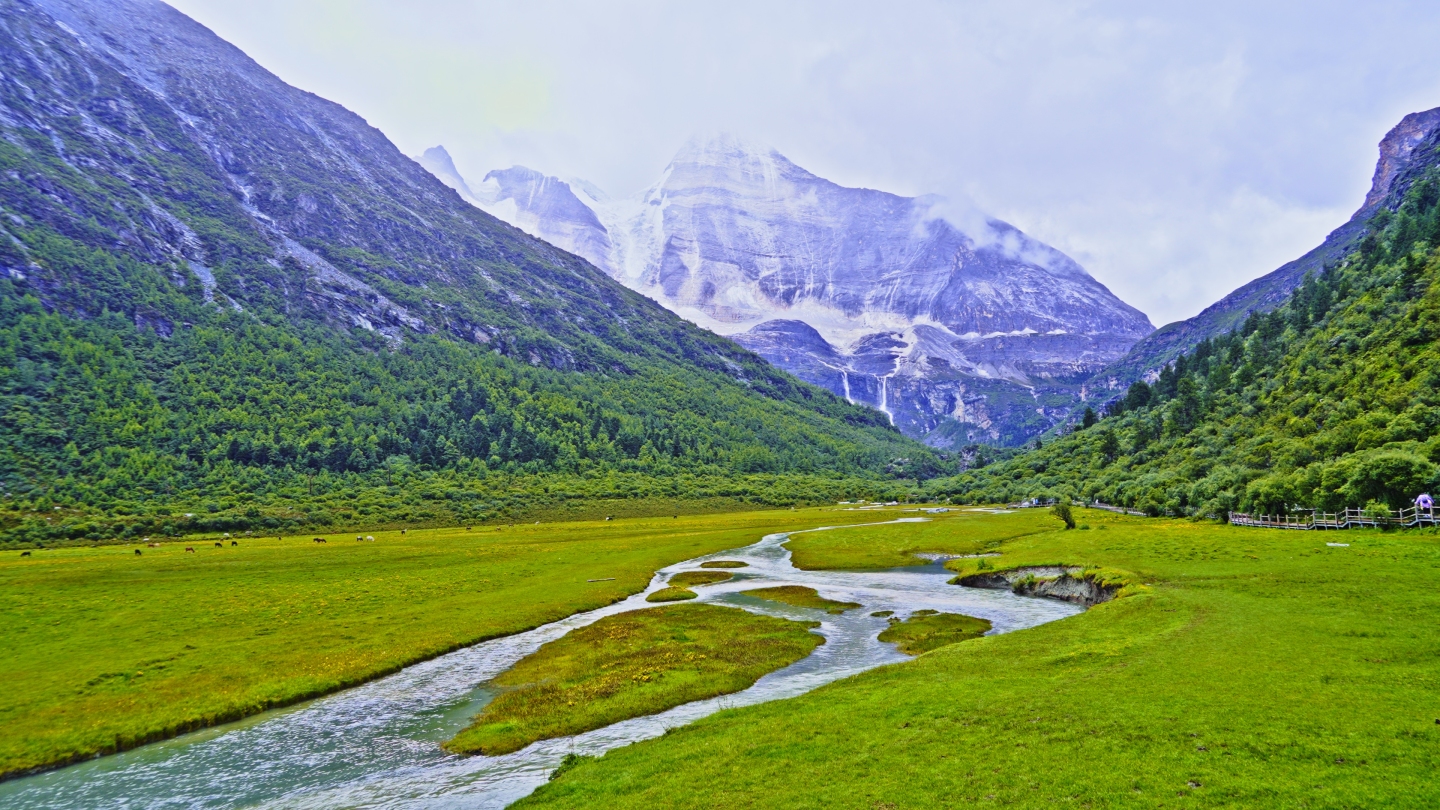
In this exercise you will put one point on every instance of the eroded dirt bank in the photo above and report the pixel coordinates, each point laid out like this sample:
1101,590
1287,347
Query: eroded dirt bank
1071,584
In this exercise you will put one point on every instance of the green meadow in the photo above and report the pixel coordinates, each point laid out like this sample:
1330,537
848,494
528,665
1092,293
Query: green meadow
105,650
628,665
963,530
1244,668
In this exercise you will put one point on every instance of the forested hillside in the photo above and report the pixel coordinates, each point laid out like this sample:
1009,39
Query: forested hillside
1332,400
227,303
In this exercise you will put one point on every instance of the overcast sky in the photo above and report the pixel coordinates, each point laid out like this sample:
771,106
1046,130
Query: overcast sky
1176,151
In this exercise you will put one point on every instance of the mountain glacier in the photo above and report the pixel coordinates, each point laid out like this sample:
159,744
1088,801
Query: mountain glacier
959,326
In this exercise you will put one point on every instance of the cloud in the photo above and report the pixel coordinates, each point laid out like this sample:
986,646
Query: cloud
1175,150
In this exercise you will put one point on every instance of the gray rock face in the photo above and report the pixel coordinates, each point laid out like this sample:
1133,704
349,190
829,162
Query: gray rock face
957,325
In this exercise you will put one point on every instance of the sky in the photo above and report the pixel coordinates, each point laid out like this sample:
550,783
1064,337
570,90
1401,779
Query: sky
1176,150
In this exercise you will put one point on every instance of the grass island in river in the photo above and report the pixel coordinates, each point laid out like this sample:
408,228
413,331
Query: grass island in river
632,664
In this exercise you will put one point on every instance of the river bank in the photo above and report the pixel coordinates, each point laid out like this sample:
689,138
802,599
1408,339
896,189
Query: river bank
1256,669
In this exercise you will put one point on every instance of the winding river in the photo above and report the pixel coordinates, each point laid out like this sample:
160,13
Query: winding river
377,745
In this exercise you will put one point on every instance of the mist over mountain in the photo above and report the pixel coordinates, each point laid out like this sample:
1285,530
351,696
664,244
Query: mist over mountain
957,325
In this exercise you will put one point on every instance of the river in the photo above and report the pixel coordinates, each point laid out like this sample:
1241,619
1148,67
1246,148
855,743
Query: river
378,744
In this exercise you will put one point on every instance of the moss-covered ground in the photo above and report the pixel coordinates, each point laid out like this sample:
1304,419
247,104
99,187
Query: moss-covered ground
924,631
689,579
104,649
724,564
632,664
1254,668
671,595
800,596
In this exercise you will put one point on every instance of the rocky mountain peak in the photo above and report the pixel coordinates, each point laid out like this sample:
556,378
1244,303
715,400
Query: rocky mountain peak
437,161
725,161
1396,149
927,310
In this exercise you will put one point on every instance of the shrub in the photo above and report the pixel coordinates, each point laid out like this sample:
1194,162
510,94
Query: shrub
1375,510
1061,511
1393,477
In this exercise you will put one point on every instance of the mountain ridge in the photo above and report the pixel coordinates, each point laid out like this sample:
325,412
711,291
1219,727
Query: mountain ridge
1394,173
1327,402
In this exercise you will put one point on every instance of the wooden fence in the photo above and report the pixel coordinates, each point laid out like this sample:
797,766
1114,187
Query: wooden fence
1346,519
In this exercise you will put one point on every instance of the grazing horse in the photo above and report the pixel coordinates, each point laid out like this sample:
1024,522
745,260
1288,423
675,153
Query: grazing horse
137,552
402,531
234,542
152,545
189,549
219,545
319,539
24,554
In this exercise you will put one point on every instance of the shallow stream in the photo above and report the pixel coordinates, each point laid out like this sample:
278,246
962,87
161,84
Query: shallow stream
378,745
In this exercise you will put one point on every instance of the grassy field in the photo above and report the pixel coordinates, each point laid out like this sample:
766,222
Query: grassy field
800,596
926,630
632,664
104,650
1257,668
961,531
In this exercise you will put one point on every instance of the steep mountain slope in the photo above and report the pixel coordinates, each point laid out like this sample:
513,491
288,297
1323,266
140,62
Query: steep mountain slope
1394,172
973,332
219,288
1331,400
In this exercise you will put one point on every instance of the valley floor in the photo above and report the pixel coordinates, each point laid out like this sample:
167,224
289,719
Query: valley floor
1242,667
1253,668
106,649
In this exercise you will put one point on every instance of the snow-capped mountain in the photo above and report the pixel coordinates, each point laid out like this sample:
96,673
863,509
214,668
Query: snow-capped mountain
958,325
